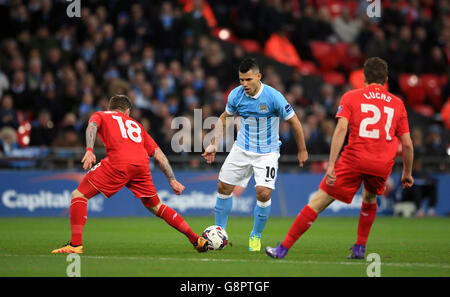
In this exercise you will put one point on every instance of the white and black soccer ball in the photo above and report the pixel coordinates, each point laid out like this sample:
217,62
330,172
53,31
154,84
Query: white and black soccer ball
216,236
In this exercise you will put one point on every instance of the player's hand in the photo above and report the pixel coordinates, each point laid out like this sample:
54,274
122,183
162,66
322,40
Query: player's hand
177,187
210,153
330,176
88,160
302,157
407,180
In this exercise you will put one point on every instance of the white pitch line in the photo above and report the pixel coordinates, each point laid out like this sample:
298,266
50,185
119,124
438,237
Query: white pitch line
356,262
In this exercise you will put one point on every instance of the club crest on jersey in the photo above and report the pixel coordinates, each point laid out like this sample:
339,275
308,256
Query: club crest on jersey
263,107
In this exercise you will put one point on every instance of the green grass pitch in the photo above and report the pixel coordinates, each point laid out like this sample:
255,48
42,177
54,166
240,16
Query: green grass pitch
147,246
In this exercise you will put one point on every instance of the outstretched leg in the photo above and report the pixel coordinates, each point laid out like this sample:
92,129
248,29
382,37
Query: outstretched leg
306,217
174,219
302,223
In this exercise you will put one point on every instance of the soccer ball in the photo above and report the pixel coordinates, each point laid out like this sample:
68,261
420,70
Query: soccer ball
216,236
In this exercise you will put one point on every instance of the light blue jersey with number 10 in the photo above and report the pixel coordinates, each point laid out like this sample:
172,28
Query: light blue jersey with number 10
260,118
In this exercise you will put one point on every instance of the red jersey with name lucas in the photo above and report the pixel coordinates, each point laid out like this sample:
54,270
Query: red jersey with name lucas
376,118
126,141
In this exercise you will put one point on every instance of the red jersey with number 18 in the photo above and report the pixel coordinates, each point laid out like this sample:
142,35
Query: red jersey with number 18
126,141
376,118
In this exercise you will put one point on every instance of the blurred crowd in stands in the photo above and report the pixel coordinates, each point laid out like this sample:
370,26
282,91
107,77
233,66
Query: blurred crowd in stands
173,56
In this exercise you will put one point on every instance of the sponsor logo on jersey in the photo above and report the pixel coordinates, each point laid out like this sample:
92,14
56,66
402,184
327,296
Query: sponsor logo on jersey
288,108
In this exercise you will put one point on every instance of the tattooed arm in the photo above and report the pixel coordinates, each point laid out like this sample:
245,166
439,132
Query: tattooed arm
89,157
164,164
91,133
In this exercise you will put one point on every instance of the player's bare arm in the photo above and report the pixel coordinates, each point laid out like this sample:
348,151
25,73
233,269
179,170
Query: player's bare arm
89,157
164,164
210,151
408,157
296,126
336,145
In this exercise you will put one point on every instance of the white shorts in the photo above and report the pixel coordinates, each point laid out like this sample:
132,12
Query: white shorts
240,165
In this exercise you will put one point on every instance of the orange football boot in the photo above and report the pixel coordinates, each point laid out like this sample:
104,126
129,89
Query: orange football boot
68,248
201,245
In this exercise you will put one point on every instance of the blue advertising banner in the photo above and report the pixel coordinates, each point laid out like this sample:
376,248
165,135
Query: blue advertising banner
48,193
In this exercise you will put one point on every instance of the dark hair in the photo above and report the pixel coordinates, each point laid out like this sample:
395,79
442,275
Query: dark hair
248,64
375,70
119,102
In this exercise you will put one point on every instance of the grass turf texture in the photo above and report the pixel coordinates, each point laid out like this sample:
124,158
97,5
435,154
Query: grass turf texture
147,246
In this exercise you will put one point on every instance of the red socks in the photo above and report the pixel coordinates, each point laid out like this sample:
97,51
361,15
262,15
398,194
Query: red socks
366,218
176,221
304,220
307,216
302,223
78,217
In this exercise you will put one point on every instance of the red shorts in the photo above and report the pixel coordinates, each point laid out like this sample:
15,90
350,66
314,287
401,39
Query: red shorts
108,179
348,183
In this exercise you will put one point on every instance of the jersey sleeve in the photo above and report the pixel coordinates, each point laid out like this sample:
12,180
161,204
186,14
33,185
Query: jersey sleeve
230,107
96,117
149,143
285,110
344,109
403,125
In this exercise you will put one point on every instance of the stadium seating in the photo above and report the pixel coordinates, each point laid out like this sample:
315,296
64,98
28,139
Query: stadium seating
341,49
324,54
411,86
335,78
445,114
424,109
24,130
432,86
334,7
307,68
251,46
224,34
356,78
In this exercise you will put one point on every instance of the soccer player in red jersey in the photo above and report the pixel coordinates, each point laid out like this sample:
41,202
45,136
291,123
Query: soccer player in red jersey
377,119
128,151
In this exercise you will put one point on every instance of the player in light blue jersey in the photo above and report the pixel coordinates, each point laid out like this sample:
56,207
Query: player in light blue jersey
257,147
